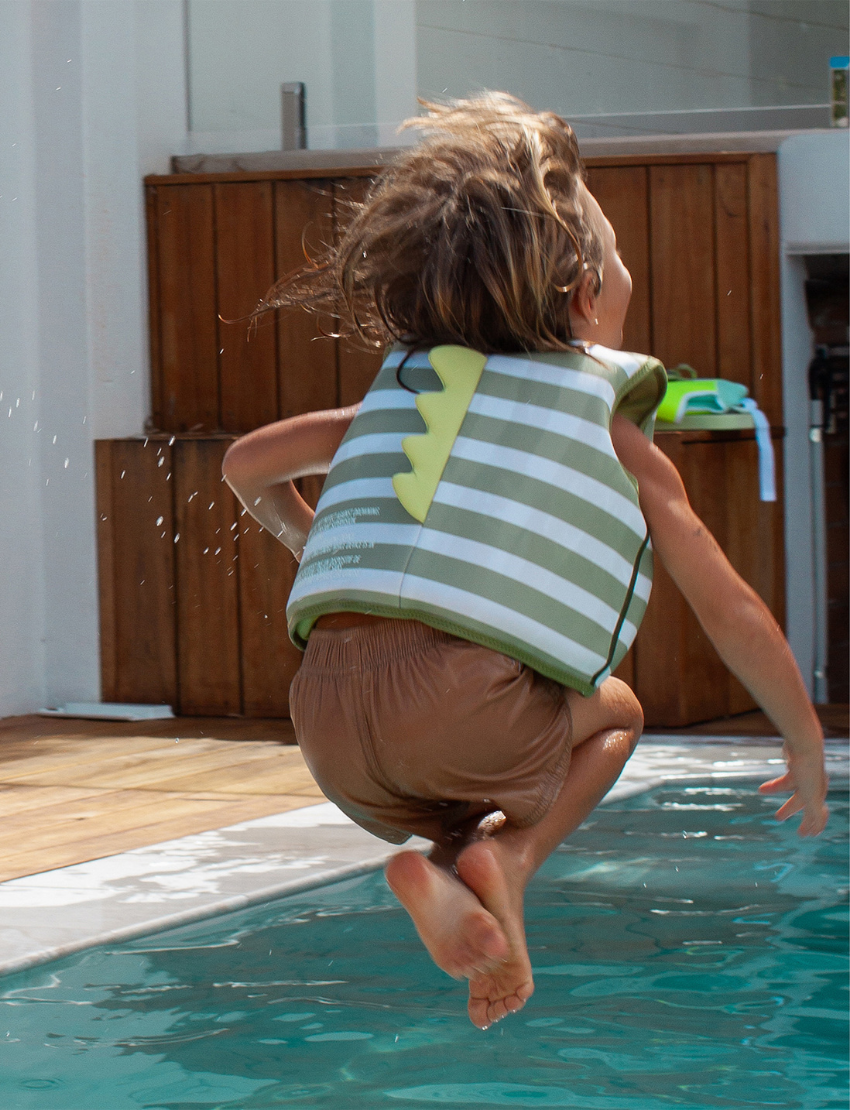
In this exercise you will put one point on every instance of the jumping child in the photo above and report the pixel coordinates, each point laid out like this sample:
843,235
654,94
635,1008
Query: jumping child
480,557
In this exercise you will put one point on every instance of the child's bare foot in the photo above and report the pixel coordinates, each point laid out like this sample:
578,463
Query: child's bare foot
462,937
506,988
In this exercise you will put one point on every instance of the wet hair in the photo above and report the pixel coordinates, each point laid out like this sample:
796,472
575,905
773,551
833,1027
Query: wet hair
477,236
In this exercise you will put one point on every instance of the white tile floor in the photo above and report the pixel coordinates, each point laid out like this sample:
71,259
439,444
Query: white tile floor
56,912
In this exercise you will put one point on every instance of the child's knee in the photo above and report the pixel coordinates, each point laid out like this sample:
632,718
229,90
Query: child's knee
629,709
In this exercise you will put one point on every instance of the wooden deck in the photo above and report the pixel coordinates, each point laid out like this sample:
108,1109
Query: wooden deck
73,790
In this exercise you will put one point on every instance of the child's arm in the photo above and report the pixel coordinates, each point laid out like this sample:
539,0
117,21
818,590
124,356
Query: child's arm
735,619
260,466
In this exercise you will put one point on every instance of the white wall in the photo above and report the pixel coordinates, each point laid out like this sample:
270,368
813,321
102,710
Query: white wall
364,61
92,99
583,57
356,58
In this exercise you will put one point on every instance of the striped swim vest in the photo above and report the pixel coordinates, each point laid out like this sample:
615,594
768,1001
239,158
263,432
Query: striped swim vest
482,496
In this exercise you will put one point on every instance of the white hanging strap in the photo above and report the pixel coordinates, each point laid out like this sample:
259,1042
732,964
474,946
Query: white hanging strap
767,463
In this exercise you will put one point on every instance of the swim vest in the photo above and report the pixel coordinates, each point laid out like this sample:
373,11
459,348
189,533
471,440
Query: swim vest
482,495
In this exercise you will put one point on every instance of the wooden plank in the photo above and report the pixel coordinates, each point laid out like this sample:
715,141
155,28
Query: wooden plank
732,273
682,266
189,333
329,172
137,572
623,195
358,364
679,677
269,658
306,355
107,615
704,679
244,257
626,670
154,305
764,282
704,158
150,824
173,179
207,584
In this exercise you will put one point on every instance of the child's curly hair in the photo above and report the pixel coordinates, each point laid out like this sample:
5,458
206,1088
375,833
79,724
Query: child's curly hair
475,236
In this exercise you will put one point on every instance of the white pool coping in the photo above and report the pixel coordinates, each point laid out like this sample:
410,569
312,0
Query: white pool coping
55,913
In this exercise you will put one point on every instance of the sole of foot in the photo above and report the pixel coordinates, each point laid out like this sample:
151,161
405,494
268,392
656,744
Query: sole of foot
462,937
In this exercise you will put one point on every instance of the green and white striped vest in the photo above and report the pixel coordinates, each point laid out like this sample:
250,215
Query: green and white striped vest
482,495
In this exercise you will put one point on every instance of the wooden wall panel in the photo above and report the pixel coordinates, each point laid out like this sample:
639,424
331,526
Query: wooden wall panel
136,571
358,364
623,195
245,268
682,268
269,658
188,338
679,677
206,515
732,274
307,358
154,305
764,285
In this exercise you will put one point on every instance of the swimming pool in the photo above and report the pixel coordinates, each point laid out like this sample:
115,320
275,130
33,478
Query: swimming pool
688,951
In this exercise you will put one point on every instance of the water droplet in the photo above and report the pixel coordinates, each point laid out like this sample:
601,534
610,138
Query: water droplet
210,505
160,461
35,426
216,552
257,501
67,461
206,551
18,403
171,441
123,472
54,440
176,537
159,520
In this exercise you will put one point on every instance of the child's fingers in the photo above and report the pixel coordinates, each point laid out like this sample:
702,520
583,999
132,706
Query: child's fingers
814,825
792,806
775,786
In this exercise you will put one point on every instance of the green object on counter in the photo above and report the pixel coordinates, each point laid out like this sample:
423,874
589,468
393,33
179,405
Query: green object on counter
699,395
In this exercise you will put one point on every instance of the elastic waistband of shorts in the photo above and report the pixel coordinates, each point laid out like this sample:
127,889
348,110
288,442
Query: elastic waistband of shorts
370,646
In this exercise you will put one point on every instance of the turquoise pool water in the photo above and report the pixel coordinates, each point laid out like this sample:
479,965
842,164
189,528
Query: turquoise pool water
688,951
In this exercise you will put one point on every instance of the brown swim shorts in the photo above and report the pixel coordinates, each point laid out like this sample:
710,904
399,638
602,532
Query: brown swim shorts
410,730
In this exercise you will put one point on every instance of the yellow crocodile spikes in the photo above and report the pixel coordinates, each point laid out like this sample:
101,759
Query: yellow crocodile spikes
459,369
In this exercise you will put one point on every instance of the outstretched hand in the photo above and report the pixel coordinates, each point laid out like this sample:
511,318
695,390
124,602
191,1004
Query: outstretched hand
808,782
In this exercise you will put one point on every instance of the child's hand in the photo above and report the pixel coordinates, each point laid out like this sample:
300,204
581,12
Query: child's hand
808,780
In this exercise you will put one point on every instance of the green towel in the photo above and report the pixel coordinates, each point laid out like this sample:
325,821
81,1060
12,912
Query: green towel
700,395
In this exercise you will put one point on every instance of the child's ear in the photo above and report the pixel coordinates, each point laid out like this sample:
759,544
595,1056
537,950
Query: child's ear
583,305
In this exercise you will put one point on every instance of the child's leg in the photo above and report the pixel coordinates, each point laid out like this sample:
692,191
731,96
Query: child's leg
495,869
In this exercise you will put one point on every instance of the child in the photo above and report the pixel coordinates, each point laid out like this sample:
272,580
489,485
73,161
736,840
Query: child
480,556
